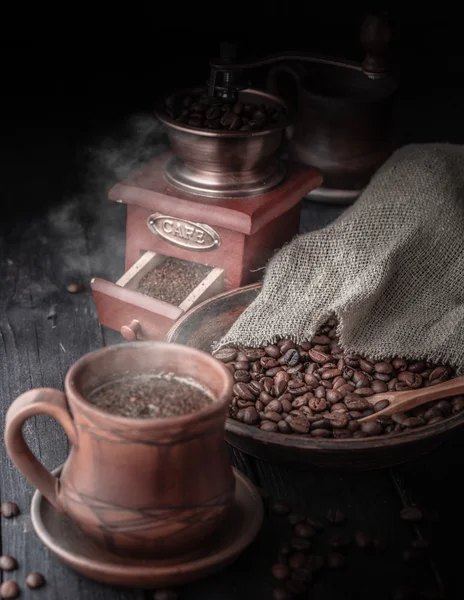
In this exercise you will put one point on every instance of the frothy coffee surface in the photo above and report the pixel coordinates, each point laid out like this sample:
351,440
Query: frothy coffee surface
154,396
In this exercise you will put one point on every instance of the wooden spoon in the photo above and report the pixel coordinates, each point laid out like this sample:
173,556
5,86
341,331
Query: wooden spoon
402,401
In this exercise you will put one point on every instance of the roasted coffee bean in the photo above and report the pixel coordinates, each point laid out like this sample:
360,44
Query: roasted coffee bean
242,376
399,418
438,375
280,509
226,355
242,391
383,367
284,427
296,560
280,572
281,594
274,405
299,423
304,530
379,386
333,396
255,387
362,539
35,580
444,407
413,422
435,420
9,589
8,563
391,385
250,416
269,426
286,345
371,428
384,377
368,412
338,420
364,391
335,560
335,516
353,402
254,353
366,366
272,415
317,404
320,433
399,364
378,406
331,373
318,357
9,510
411,513
286,405
268,363
300,544
273,351
353,426
291,357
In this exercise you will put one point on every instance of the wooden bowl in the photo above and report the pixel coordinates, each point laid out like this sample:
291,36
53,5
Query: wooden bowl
209,321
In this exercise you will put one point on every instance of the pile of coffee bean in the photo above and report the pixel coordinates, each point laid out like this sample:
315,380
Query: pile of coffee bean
316,389
206,112
314,545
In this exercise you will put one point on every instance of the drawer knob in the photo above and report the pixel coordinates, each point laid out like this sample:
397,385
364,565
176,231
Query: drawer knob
130,332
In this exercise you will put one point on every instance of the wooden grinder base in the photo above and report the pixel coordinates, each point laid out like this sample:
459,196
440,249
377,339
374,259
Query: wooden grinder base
234,236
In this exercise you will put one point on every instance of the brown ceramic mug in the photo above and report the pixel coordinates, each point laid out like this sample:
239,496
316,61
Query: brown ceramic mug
136,486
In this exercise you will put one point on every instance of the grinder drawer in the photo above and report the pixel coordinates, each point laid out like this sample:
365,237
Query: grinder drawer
141,316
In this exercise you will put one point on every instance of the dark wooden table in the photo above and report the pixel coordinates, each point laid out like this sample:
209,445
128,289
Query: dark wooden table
58,227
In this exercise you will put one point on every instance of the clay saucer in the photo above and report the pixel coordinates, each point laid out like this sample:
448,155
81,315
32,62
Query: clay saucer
65,540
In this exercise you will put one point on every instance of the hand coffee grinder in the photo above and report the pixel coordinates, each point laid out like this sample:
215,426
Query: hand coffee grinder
221,198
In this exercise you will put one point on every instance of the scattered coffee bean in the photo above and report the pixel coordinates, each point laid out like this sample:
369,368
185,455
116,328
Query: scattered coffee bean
35,580
75,288
280,509
315,562
8,563
411,513
280,572
302,575
316,525
335,516
165,595
9,589
335,560
9,509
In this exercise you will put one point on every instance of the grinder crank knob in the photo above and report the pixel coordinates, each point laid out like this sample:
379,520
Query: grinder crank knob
375,38
130,332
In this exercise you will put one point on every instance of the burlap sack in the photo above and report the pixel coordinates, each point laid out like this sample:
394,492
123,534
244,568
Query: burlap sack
391,268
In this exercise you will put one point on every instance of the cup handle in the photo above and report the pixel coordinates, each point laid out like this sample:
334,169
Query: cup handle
37,402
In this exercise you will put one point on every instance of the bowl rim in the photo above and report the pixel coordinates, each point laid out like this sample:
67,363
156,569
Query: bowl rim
161,114
302,442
